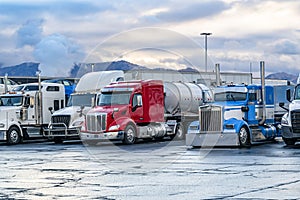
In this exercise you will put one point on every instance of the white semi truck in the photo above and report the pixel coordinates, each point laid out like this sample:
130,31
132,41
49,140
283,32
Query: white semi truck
66,123
290,122
25,115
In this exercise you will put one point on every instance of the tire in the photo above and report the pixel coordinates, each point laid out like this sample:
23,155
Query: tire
14,136
289,141
129,135
244,137
58,140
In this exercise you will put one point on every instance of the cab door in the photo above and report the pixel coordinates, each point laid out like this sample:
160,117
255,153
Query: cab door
136,109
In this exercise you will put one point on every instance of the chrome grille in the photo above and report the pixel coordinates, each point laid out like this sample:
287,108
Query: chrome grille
295,118
96,122
210,118
61,119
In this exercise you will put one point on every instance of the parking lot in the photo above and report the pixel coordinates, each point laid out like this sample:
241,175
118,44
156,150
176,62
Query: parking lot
148,170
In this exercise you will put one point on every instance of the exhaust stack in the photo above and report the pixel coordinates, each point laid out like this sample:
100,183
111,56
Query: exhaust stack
263,91
218,77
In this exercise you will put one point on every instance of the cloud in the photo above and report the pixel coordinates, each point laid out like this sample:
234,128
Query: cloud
57,54
284,46
30,33
179,13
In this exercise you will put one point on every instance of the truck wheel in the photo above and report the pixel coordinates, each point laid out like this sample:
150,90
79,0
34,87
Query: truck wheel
14,136
130,135
289,141
244,137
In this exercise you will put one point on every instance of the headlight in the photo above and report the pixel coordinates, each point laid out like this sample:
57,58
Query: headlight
114,128
284,121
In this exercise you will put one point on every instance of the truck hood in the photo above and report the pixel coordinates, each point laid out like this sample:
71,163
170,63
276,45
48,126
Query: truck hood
295,105
8,108
108,109
72,110
229,103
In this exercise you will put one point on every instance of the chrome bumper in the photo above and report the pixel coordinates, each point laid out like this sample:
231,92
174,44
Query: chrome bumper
119,135
212,139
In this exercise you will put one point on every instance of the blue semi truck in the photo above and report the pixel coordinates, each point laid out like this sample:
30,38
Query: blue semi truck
241,115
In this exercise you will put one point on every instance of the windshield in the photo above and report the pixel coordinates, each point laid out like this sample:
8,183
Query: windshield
80,100
231,96
297,92
115,98
11,101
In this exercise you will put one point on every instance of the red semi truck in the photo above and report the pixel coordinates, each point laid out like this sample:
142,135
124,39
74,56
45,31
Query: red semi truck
143,109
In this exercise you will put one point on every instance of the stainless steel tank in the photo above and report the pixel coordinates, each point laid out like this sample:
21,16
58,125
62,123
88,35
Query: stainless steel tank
182,97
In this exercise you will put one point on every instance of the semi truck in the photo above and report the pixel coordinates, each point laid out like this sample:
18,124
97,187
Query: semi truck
25,115
290,122
143,109
66,123
241,115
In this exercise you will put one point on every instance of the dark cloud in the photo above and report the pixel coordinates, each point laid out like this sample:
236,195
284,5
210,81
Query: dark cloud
20,10
57,54
190,12
30,33
286,47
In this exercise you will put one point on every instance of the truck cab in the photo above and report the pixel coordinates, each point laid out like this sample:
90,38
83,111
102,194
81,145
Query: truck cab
24,115
66,123
291,120
240,115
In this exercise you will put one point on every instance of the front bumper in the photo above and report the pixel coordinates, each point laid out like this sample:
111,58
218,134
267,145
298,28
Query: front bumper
62,132
228,138
287,132
119,135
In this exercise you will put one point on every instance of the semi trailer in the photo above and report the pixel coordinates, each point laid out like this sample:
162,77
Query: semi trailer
291,120
66,123
241,115
143,109
26,114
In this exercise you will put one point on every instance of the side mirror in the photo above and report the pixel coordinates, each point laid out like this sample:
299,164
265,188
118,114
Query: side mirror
281,105
288,95
51,110
115,110
31,102
245,108
139,101
80,111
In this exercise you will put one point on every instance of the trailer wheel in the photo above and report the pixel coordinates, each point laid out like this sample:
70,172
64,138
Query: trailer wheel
14,136
289,141
130,135
244,137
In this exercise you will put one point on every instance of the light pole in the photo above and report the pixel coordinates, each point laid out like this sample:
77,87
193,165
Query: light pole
205,34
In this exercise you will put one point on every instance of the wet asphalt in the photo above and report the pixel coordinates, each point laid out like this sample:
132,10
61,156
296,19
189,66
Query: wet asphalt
148,170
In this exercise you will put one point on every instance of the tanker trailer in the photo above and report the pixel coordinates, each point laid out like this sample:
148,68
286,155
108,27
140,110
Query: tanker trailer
143,109
182,101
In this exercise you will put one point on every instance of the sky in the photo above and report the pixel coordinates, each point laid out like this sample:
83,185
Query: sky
154,33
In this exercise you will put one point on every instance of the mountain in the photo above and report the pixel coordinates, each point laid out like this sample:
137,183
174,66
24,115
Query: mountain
30,68
283,76
82,68
24,69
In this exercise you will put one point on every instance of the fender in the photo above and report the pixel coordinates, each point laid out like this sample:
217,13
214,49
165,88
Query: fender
16,125
122,122
236,124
